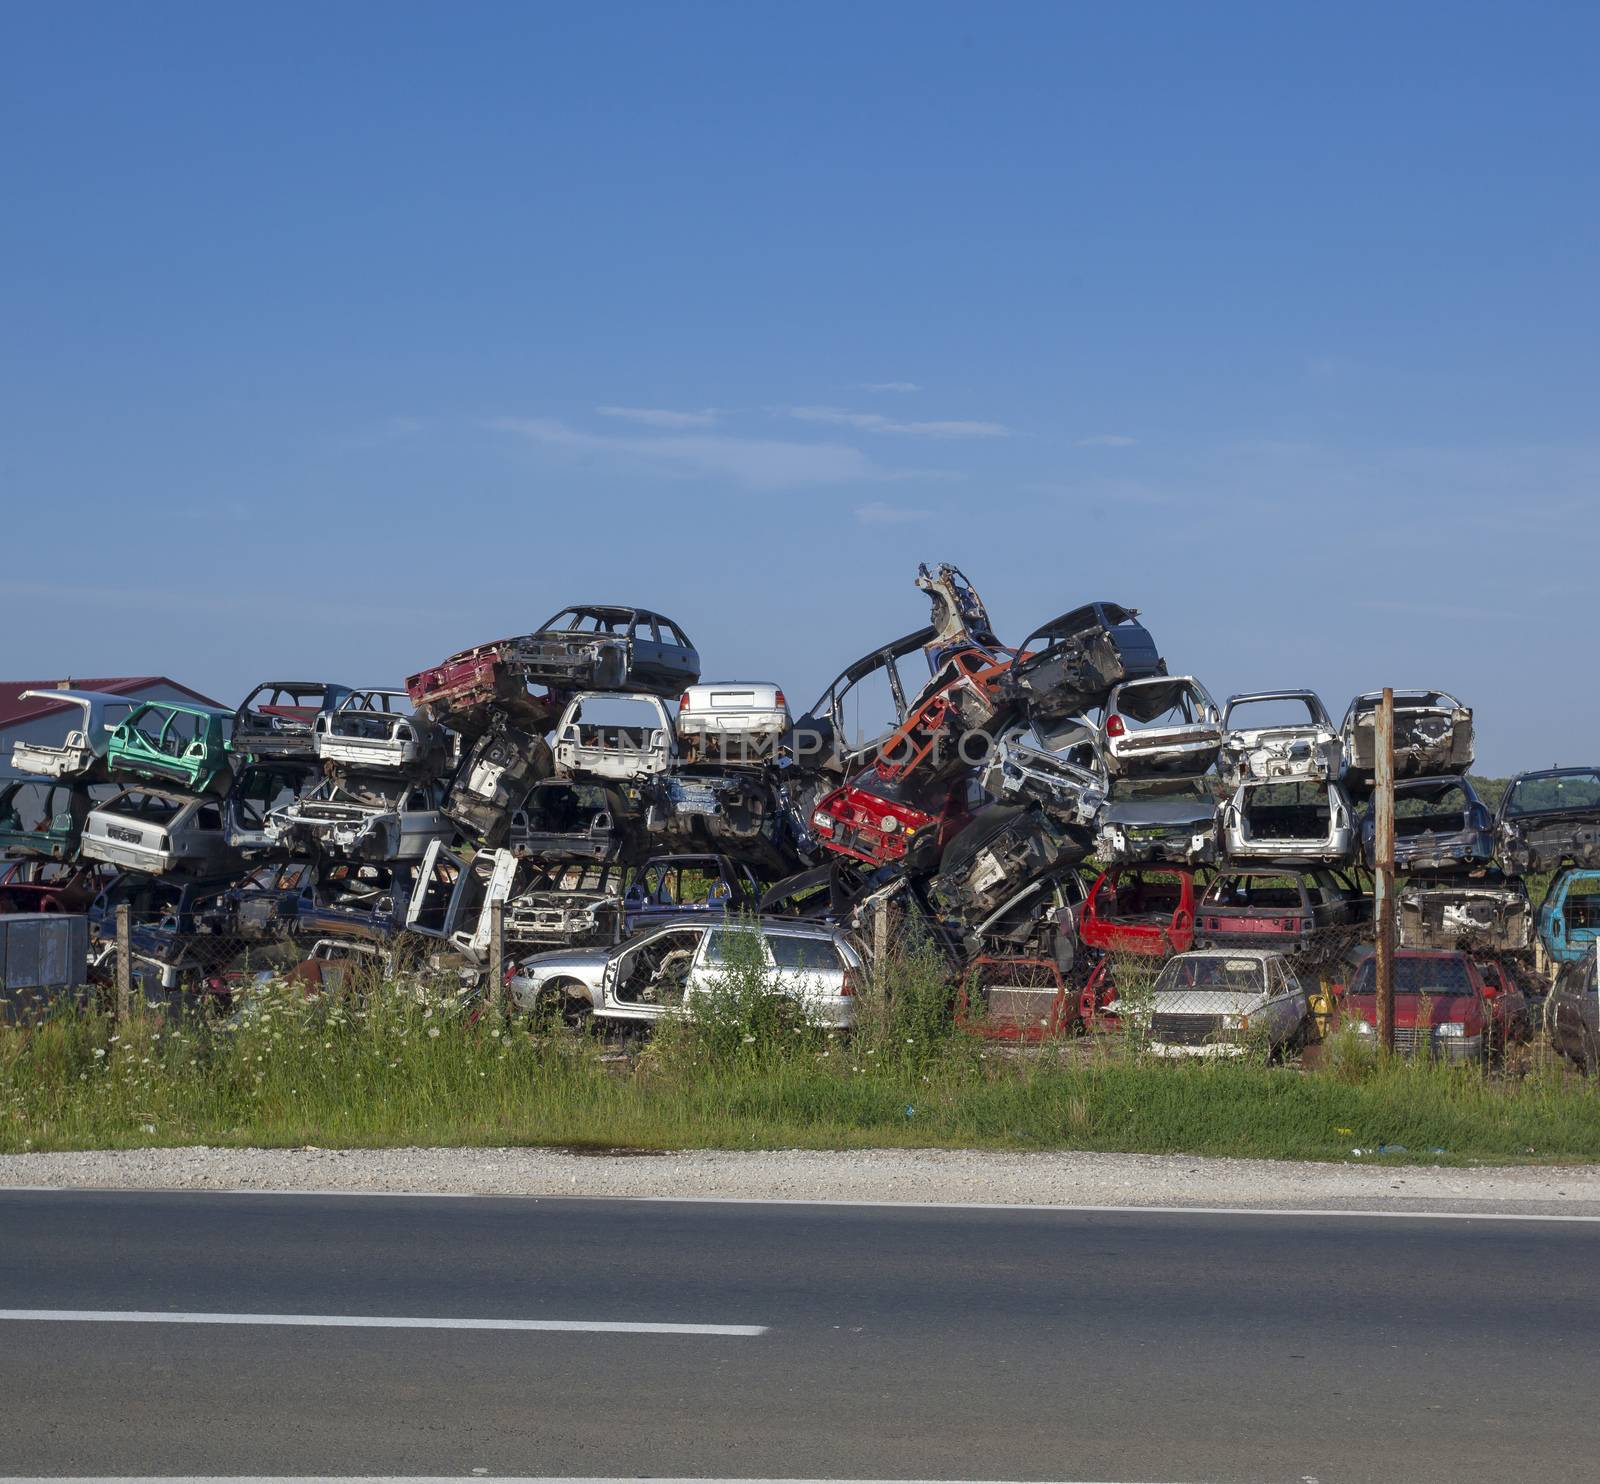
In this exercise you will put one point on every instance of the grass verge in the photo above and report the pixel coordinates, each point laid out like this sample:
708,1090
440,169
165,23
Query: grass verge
409,1067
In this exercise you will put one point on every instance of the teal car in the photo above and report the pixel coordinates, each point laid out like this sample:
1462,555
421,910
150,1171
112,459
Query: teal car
174,742
1569,917
43,817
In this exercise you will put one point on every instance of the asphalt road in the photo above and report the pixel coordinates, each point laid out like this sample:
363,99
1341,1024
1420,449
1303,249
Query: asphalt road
893,1343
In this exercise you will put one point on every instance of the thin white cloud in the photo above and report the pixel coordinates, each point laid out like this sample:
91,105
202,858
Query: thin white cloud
756,463
888,386
876,513
662,417
875,422
1107,440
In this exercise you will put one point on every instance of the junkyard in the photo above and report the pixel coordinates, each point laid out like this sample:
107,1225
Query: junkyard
1069,845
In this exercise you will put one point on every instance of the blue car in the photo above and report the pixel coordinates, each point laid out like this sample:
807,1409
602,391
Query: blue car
1569,916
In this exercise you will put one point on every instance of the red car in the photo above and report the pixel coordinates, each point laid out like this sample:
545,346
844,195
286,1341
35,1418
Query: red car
465,685
881,823
51,886
1140,909
1444,1005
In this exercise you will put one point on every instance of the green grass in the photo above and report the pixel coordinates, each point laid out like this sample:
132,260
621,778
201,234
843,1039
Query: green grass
408,1067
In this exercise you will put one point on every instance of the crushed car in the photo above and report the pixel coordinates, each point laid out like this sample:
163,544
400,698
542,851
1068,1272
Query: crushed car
1271,736
504,766
1550,819
862,709
684,885
44,817
1432,736
566,819
1142,910
620,736
377,729
994,857
391,820
573,904
1068,785
1283,911
909,822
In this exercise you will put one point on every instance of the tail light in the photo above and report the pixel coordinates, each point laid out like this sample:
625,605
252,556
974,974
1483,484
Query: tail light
1114,726
778,700
163,841
509,975
848,985
683,701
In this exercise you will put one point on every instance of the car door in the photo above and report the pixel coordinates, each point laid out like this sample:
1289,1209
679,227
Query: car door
650,976
1288,1006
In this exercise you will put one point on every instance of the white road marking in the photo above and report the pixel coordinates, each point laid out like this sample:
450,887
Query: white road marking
376,1321
475,1478
739,1200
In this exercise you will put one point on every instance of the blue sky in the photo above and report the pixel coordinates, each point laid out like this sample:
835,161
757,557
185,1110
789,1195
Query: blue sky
340,337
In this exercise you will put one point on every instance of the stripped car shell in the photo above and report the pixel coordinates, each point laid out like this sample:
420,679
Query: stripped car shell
1141,826
686,885
1432,736
1284,911
155,831
376,729
1550,819
80,755
277,718
960,620
1256,749
1440,824
572,904
632,738
1300,820
1037,922
454,897
1165,725
1018,772
503,767
563,819
833,737
1141,910
174,742
1569,916
258,789
602,646
1071,664
1491,915
394,821
44,817
908,821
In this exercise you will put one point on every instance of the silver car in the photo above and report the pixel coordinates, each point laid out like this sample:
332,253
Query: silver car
1304,820
668,968
156,832
376,729
395,823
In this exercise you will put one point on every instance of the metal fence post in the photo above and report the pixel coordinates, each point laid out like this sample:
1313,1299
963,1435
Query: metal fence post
124,1002
497,954
1383,850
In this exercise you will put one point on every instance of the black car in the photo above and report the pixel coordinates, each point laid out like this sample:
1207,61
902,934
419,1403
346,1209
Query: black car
1260,907
1550,819
1070,665
602,646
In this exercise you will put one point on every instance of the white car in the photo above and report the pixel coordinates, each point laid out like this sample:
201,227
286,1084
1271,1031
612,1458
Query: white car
623,737
1273,735
732,722
1221,1001
81,753
376,729
669,967
1163,726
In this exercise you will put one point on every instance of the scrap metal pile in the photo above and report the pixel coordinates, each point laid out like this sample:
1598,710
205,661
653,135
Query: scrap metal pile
578,786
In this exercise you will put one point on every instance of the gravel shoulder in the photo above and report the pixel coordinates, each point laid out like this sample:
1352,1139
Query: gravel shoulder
950,1177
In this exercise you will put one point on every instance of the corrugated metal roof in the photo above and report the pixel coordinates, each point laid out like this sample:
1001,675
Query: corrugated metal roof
14,709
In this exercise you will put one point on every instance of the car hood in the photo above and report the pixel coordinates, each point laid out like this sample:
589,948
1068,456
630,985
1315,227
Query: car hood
576,959
1207,1001
1442,1009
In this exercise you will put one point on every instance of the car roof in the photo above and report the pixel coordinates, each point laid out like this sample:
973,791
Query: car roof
1256,953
